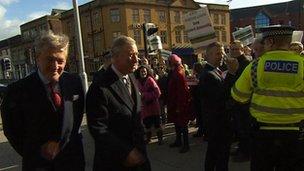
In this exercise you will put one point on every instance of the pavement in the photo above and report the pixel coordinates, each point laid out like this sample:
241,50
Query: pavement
162,157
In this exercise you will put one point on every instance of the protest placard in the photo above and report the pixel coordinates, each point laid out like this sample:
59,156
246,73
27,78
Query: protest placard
199,28
245,35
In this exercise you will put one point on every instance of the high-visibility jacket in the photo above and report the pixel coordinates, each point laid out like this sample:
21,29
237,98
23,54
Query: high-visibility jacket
274,86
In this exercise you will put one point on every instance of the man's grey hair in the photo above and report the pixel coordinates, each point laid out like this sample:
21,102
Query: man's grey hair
48,40
120,42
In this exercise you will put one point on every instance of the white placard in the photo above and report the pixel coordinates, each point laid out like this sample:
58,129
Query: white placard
297,36
199,28
245,35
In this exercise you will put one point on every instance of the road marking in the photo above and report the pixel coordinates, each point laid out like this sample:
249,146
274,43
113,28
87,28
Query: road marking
7,168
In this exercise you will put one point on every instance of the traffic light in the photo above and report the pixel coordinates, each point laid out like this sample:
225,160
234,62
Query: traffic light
6,64
149,30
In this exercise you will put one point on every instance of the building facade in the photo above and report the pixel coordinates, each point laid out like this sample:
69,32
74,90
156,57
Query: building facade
220,15
104,20
8,50
286,13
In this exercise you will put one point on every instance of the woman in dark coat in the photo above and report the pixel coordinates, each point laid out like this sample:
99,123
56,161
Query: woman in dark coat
178,102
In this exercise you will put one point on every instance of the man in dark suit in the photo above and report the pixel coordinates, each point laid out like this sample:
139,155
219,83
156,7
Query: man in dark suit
42,113
240,113
214,91
113,111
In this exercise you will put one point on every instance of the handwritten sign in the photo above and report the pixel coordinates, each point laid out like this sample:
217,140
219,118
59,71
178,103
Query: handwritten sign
198,25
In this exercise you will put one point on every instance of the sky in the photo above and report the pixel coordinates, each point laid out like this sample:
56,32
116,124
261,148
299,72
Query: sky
13,13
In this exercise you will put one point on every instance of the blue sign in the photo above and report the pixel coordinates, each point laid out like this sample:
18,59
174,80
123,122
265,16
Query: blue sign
281,66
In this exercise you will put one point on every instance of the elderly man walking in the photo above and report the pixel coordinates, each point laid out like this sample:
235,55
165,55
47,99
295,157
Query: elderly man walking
113,111
42,113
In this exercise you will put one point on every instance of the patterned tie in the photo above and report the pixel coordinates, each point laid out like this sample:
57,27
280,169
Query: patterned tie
127,83
56,97
219,71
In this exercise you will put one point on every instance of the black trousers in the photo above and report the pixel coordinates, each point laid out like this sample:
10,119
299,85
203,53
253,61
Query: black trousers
277,150
70,159
242,128
150,121
219,140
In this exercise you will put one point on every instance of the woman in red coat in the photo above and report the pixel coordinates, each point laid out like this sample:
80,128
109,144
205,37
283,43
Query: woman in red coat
150,94
178,103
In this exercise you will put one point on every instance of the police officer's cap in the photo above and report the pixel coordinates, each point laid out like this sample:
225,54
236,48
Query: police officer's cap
276,30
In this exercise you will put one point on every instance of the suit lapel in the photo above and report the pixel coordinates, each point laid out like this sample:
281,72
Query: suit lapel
213,70
41,92
120,90
217,74
67,112
136,92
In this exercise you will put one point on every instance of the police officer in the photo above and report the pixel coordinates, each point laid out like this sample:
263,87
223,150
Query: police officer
274,86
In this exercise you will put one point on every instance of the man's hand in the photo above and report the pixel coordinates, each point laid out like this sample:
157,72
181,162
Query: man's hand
134,158
50,149
232,65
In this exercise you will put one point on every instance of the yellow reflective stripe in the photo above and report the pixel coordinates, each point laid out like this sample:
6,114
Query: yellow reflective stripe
278,93
240,94
279,125
279,128
277,110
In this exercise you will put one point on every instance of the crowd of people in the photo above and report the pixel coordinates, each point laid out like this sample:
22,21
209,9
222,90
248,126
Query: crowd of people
252,95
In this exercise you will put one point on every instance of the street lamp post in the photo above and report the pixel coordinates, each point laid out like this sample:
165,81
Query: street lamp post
81,66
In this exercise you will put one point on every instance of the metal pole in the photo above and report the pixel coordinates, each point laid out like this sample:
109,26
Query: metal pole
145,40
81,66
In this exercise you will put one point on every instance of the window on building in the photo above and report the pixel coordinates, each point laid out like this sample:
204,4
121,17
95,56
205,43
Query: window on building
33,33
147,16
223,19
70,28
162,16
178,36
87,21
163,37
216,18
88,46
116,34
186,39
224,36
261,20
97,44
217,34
137,36
177,17
96,18
26,34
44,27
115,15
135,16
3,52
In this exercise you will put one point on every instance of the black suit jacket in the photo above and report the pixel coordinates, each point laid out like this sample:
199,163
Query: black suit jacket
114,120
30,120
243,62
214,92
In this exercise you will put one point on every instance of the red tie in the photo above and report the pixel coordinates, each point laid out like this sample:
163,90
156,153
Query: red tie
56,97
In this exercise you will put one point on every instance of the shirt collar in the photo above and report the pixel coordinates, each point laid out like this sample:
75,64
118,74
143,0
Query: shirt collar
46,82
119,74
42,78
211,65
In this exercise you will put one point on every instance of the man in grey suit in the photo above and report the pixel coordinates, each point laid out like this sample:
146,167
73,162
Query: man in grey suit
42,113
113,111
